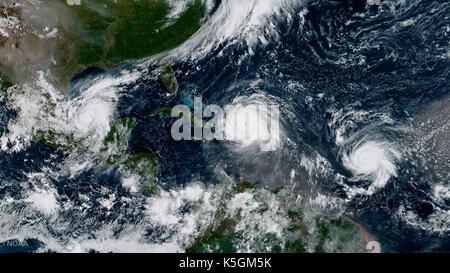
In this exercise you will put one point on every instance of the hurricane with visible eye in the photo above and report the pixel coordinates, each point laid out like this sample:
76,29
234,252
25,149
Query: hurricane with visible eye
372,160
362,89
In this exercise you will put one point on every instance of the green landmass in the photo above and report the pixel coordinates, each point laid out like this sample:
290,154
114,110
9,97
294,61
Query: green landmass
219,236
97,33
115,152
145,165
58,141
115,144
242,186
305,231
333,233
4,85
110,32
168,79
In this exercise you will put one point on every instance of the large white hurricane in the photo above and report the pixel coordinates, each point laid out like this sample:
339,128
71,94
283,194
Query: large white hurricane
372,160
253,120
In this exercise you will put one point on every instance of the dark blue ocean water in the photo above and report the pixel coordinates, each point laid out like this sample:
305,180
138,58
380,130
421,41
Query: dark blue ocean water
389,60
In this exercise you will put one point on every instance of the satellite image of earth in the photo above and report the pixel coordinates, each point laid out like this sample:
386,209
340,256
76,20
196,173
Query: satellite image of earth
360,161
